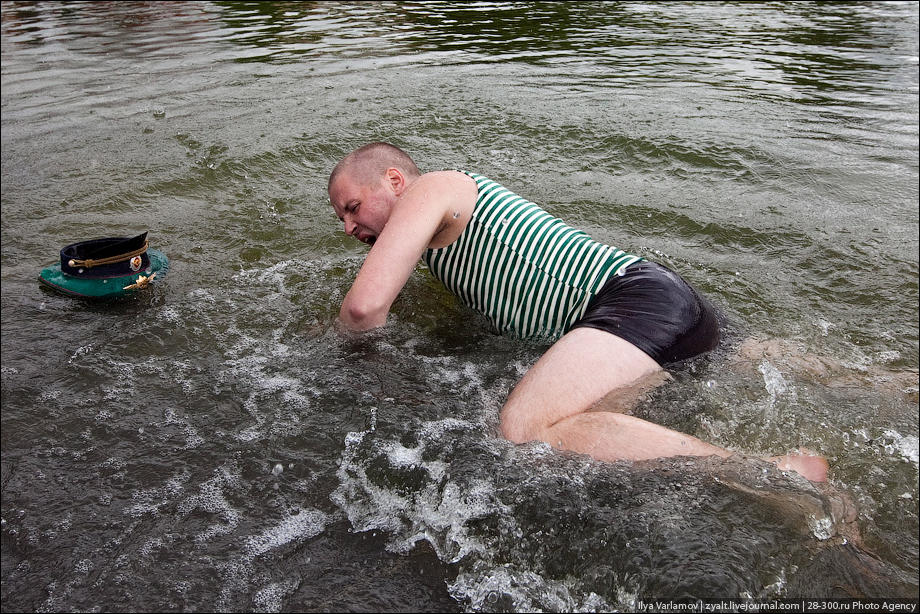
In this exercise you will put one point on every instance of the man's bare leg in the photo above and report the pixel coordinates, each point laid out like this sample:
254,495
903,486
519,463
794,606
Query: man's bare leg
832,372
551,401
625,399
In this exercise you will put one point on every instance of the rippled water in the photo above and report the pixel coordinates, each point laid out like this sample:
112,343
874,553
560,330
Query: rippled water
215,444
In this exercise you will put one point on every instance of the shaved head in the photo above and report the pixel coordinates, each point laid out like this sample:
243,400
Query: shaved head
367,164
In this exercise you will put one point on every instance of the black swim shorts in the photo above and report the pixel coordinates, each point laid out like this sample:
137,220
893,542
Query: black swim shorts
657,311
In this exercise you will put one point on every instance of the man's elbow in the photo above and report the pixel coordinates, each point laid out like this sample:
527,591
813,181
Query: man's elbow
362,316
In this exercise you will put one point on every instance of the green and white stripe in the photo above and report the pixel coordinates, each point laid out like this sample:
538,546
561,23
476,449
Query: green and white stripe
528,272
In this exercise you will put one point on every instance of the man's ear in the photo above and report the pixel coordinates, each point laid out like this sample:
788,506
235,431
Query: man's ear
395,179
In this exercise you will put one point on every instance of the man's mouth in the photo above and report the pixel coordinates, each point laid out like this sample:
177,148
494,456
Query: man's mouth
369,239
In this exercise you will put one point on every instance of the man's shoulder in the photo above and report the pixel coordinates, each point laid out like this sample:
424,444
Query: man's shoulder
450,175
447,183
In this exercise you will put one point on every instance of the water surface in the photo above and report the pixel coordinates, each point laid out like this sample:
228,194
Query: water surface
216,444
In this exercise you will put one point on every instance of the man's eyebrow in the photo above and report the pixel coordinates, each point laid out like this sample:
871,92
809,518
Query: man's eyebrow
344,207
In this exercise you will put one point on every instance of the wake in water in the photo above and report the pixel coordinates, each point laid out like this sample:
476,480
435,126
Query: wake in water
532,529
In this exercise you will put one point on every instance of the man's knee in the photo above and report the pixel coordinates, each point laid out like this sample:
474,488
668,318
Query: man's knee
517,426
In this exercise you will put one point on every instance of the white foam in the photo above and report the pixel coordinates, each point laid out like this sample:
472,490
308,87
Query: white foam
249,370
774,382
435,429
825,326
438,510
774,589
822,528
145,502
859,361
908,447
273,275
201,294
171,315
150,545
402,456
294,528
210,499
888,356
527,591
192,438
269,598
83,350
47,395
116,464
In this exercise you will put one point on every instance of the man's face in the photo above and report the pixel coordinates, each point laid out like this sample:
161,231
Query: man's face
364,209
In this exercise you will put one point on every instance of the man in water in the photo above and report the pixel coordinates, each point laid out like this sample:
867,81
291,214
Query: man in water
615,317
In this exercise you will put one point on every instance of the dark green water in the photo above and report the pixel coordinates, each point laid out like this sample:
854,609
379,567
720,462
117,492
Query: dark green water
215,444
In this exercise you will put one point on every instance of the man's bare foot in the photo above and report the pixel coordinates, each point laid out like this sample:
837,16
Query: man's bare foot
807,464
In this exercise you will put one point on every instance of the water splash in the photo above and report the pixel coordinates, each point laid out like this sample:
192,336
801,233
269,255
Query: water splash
776,386
905,446
385,485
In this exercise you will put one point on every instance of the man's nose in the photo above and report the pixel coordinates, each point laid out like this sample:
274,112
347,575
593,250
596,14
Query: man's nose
350,227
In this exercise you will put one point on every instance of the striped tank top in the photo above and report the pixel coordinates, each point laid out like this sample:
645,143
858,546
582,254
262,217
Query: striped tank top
528,272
